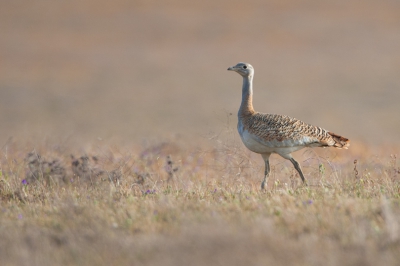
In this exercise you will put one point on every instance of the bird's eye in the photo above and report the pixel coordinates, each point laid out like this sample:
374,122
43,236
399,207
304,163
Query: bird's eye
244,67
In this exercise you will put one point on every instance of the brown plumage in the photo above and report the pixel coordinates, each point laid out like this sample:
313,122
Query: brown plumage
340,142
269,133
270,127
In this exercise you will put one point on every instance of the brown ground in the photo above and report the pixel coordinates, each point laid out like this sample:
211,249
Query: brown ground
134,69
133,82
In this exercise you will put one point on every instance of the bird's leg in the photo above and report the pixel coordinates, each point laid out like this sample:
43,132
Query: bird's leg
296,165
266,174
298,168
264,183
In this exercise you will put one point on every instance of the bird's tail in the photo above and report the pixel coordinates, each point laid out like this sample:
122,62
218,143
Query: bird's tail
340,142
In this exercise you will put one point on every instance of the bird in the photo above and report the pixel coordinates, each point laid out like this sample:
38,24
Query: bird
266,134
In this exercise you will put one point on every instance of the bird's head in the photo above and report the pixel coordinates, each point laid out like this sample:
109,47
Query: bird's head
244,69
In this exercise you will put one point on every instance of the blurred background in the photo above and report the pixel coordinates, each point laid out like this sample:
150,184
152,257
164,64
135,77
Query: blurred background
131,70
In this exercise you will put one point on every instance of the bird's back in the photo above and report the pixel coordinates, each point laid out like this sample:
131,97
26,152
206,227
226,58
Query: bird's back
283,131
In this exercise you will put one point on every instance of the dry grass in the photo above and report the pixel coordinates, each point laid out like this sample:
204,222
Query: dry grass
134,70
170,204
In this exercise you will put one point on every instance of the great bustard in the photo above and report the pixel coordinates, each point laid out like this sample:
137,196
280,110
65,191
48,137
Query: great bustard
268,133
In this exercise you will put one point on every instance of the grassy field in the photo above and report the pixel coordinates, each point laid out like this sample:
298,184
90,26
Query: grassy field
171,203
118,143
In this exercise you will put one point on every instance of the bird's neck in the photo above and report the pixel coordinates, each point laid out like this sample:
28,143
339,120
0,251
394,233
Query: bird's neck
246,108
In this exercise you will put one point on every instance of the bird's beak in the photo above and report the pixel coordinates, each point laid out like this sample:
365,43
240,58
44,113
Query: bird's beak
231,68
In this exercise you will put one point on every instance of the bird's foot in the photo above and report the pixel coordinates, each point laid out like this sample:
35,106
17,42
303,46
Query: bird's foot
263,186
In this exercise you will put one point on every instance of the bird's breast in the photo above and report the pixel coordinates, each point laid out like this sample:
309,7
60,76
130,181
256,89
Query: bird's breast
251,142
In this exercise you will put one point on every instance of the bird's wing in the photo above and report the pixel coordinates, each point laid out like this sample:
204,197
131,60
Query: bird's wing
285,131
